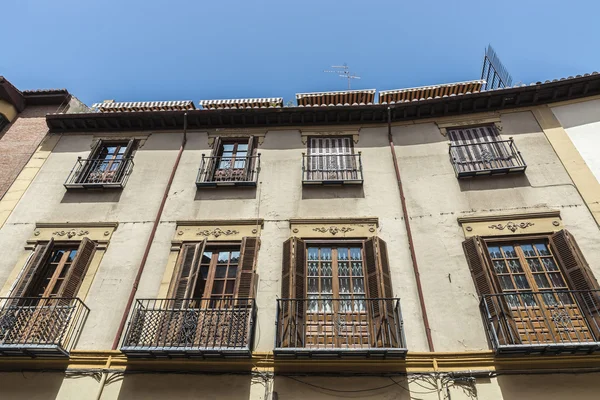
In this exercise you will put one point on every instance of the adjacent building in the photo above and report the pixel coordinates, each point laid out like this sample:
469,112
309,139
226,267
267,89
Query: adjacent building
440,243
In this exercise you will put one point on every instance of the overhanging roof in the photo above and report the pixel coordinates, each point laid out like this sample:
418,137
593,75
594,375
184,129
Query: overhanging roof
493,100
21,99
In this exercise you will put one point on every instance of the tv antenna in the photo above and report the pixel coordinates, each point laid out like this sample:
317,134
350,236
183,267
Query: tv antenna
344,72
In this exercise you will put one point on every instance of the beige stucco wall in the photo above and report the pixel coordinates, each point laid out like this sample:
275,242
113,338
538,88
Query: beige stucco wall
581,121
435,198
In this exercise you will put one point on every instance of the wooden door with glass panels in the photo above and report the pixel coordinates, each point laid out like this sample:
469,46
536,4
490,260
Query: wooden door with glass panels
231,164
108,163
542,310
336,311
216,288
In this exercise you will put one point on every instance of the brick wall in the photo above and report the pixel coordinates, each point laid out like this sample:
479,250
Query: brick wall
19,141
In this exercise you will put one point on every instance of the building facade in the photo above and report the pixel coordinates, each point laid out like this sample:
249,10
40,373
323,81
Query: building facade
441,243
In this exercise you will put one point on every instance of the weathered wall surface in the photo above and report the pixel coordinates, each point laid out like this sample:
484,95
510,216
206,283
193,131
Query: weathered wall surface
582,122
435,199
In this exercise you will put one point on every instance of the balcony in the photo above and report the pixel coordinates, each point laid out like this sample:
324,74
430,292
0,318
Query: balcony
40,327
99,174
332,328
549,322
490,158
332,169
228,171
191,328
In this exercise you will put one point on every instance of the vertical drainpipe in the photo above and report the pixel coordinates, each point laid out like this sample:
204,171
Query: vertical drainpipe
411,245
136,282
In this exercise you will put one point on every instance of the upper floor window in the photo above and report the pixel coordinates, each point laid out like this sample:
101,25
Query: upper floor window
331,160
233,162
109,165
481,151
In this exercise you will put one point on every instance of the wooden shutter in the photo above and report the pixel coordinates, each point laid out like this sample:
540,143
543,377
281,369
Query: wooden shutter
391,334
36,262
126,154
486,283
293,291
251,161
213,162
78,268
246,275
579,275
186,272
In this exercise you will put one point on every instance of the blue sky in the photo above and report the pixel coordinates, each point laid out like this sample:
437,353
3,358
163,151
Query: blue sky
131,50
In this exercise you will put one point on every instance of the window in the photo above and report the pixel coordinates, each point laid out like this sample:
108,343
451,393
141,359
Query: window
337,295
216,271
3,122
332,159
233,162
109,165
55,270
536,289
481,150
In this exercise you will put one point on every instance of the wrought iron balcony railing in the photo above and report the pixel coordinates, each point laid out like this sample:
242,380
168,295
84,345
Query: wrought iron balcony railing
228,171
40,327
211,327
543,322
99,173
359,327
332,169
497,157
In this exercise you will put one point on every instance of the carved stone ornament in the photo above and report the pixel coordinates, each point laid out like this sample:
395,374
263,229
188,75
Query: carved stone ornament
217,232
71,233
511,226
334,230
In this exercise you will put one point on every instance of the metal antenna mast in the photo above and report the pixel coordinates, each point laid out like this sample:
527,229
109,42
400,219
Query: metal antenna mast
344,72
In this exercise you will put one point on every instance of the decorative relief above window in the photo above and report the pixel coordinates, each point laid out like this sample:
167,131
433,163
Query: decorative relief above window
98,232
515,224
334,228
226,230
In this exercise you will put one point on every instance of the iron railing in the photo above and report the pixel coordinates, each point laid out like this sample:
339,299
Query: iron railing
190,327
99,173
543,322
332,169
342,327
228,171
496,157
33,326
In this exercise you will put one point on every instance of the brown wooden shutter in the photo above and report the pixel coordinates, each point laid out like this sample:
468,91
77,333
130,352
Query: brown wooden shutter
580,277
251,161
391,334
293,292
126,154
213,162
481,269
36,262
96,149
78,268
246,275
186,271
496,313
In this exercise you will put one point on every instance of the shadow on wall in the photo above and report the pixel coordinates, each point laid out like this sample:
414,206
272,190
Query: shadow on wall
226,193
327,388
92,196
545,387
30,385
185,387
333,192
495,182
